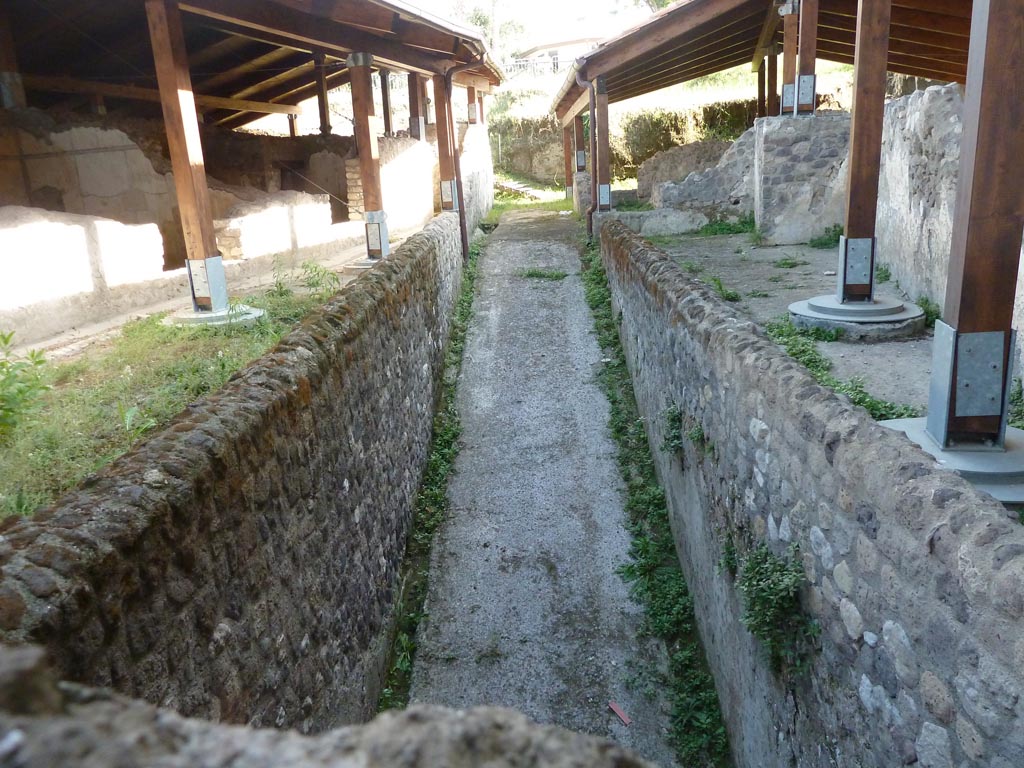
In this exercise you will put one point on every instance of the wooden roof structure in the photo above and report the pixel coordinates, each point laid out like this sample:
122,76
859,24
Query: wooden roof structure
247,57
695,38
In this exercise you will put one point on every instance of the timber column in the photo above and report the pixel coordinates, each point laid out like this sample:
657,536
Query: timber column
471,105
445,145
385,99
806,82
205,268
417,107
603,165
790,13
319,68
570,164
581,143
364,123
773,80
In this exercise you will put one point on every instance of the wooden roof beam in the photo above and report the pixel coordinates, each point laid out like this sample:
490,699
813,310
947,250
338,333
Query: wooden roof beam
135,93
273,23
908,17
916,67
898,32
248,67
769,29
684,63
724,61
294,96
897,46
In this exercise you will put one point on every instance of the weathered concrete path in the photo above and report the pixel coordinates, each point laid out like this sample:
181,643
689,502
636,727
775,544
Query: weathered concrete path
525,608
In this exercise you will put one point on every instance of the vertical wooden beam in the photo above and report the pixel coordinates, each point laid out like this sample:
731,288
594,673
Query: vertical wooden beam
580,142
471,103
773,82
569,161
857,246
987,221
417,129
293,130
385,99
790,31
12,91
808,53
480,109
363,123
206,272
425,101
320,70
762,99
603,165
445,145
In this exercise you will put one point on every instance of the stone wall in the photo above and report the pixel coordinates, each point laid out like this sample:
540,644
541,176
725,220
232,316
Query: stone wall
915,578
241,564
46,726
725,190
800,175
678,163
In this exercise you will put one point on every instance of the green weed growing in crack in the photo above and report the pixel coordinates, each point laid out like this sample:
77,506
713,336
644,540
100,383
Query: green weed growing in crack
537,273
726,294
932,311
800,344
673,442
697,731
770,586
431,501
882,273
827,239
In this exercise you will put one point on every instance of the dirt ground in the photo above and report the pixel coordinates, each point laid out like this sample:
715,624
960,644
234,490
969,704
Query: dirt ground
770,278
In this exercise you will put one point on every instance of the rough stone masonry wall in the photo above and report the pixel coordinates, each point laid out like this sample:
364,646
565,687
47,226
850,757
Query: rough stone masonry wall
241,565
916,579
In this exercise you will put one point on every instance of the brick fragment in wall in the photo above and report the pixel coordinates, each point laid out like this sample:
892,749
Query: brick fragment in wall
907,639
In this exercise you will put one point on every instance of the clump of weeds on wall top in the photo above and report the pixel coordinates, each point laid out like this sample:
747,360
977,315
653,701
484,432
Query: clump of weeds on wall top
770,586
697,731
431,502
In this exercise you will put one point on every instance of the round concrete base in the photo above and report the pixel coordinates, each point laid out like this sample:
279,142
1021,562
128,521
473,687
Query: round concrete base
882,318
240,314
995,471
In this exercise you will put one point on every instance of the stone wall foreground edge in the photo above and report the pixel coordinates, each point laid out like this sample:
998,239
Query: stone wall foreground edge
915,578
241,565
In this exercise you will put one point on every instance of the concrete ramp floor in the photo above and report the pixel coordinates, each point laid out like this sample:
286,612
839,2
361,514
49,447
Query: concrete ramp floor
525,608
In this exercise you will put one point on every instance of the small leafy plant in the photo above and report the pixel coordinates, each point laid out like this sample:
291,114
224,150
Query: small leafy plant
673,442
320,281
21,383
932,311
770,586
882,273
788,262
726,294
135,423
742,226
538,273
828,239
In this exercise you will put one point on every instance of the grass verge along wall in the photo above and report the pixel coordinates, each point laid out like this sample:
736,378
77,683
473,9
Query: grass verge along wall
241,564
914,579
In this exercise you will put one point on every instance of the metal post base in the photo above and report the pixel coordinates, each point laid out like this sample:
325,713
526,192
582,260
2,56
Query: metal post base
240,315
881,318
999,472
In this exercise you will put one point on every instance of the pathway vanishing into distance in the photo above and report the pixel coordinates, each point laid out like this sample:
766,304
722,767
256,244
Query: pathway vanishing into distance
525,608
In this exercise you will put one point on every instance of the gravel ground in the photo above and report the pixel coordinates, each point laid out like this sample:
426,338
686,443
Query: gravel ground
525,608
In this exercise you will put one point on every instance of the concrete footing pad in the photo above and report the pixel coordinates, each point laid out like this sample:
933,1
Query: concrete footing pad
882,318
362,265
240,314
995,471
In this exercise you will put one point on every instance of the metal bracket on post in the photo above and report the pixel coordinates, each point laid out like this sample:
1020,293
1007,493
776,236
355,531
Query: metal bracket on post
604,196
806,96
449,195
209,284
856,259
788,97
581,160
377,245
790,8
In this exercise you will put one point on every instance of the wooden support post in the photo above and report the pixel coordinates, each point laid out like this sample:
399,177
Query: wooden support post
319,68
773,81
603,165
569,160
480,109
581,143
425,100
445,146
762,99
97,105
417,128
969,393
363,122
790,29
471,103
857,247
293,130
12,92
806,90
206,271
385,99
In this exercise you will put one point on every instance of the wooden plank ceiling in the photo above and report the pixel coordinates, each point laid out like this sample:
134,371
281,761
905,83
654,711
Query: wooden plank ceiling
255,53
695,38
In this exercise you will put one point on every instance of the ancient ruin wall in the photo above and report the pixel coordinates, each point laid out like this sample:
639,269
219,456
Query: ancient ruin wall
916,579
241,565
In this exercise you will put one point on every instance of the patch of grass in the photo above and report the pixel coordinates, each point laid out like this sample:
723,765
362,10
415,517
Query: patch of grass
663,241
828,239
538,273
800,345
726,294
742,226
759,295
505,203
757,238
932,311
882,274
697,732
788,262
21,384
97,406
673,442
431,501
634,205
776,278
770,586
693,267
